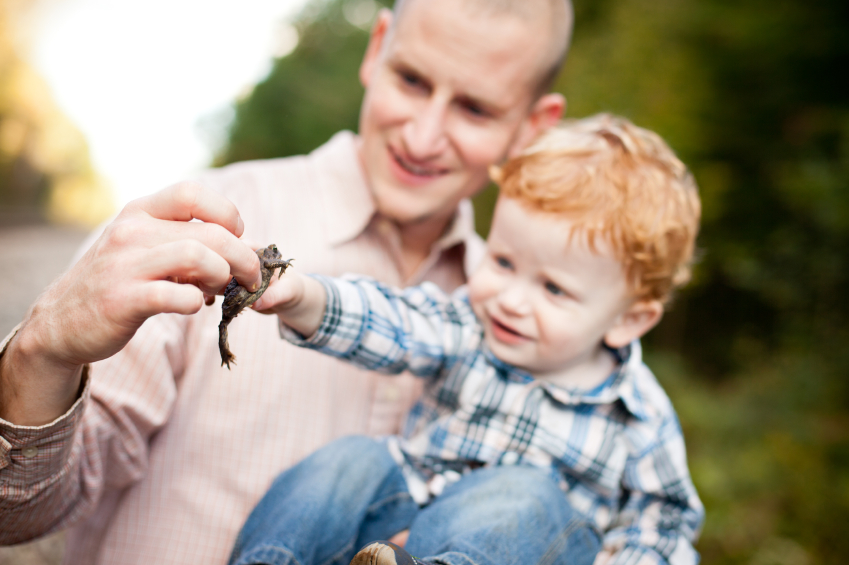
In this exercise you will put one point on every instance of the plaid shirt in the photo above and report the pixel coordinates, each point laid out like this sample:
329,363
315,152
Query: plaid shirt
616,450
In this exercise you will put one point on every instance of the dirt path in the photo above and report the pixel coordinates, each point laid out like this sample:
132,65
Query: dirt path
31,257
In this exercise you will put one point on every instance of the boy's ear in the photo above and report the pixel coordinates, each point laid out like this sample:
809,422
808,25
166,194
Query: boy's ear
545,112
634,323
379,31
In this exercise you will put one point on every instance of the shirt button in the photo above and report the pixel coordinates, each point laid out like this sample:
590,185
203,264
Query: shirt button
30,452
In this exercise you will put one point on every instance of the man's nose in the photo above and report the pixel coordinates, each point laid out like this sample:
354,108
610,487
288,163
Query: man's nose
424,134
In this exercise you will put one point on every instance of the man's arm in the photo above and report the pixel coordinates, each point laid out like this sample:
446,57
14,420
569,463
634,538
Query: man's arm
137,268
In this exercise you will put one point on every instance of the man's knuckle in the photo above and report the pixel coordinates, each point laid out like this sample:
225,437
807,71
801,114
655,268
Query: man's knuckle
193,254
123,233
187,194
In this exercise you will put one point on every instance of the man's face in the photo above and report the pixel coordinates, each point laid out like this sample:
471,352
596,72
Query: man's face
447,95
547,302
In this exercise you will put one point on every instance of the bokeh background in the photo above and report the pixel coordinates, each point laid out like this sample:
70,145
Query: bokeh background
752,94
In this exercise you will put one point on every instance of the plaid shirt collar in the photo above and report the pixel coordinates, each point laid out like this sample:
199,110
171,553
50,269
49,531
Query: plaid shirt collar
620,385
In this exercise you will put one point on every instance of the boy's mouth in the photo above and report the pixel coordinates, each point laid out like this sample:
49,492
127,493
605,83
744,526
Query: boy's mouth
506,334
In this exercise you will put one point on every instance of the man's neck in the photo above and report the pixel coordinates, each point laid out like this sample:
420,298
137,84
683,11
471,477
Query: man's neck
417,240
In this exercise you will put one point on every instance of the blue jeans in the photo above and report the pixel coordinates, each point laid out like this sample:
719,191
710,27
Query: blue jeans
351,492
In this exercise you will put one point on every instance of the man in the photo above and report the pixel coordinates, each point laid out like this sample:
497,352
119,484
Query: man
116,416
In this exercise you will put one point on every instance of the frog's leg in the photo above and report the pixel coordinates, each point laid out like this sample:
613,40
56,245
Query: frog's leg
271,265
227,356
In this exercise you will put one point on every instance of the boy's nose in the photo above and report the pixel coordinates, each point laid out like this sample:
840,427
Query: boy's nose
424,134
513,300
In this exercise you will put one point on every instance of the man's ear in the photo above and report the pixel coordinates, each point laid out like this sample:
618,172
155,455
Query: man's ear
378,35
634,323
545,112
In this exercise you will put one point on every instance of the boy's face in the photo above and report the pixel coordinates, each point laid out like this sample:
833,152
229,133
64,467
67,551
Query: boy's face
547,305
447,95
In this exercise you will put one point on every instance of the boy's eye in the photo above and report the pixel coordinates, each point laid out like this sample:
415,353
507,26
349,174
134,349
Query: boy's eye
553,289
503,262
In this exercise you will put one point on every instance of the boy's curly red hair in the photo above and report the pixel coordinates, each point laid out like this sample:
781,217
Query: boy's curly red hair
616,181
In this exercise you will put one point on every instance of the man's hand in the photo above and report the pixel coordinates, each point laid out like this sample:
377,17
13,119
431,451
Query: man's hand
151,259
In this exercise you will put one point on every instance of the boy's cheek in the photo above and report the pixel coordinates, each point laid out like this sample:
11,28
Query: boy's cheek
480,288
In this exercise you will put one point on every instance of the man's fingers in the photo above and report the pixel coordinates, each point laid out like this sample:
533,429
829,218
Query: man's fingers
241,258
161,297
142,230
185,261
186,201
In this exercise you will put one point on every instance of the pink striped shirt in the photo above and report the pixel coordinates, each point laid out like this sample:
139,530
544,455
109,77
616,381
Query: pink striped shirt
166,452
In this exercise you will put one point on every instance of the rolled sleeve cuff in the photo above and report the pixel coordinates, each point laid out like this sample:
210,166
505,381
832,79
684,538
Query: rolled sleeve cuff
344,319
30,454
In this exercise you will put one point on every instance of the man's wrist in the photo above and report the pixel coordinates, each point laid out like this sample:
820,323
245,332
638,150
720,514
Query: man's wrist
33,390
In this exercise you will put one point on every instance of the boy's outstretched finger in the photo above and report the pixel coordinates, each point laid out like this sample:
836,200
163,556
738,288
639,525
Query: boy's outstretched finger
280,292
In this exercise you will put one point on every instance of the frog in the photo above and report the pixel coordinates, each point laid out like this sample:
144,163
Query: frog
237,297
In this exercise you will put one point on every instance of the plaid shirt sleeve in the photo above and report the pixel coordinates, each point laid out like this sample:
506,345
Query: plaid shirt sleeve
661,515
377,327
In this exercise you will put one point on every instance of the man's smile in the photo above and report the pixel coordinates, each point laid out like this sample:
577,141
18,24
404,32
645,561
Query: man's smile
417,170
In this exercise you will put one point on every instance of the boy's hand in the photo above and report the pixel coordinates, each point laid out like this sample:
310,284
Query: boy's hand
298,301
282,294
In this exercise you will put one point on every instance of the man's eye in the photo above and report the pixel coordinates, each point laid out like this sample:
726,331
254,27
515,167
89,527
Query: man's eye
475,110
411,79
554,290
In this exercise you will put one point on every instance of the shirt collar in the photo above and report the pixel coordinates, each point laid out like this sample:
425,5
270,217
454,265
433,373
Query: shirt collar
620,385
350,206
348,201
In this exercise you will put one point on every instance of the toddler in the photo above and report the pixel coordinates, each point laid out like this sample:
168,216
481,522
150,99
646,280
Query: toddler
541,436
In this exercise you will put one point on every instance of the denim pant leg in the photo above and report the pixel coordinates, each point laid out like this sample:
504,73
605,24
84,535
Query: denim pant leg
500,516
322,510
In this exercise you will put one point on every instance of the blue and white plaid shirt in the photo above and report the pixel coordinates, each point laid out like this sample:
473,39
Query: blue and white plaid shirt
616,450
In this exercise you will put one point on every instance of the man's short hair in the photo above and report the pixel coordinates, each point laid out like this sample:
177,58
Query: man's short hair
617,181
559,16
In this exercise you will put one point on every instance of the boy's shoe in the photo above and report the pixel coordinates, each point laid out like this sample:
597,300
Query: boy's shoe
385,553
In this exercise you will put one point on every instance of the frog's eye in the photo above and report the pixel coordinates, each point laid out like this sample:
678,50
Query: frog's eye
274,248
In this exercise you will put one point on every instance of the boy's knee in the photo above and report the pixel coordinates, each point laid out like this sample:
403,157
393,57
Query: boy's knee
511,490
352,454
520,481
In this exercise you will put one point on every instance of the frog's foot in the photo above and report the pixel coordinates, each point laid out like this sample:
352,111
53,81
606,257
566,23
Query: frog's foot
282,264
227,358
223,347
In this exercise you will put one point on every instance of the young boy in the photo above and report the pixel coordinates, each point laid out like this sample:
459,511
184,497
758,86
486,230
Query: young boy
541,437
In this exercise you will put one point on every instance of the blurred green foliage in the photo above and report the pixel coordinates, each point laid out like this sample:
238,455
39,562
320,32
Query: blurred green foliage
753,96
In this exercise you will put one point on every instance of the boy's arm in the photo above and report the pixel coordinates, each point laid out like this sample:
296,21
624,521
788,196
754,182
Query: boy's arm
662,515
375,326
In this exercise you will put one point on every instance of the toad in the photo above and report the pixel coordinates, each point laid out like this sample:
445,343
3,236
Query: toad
237,297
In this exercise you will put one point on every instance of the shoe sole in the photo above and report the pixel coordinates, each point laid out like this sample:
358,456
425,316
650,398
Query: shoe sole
380,553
